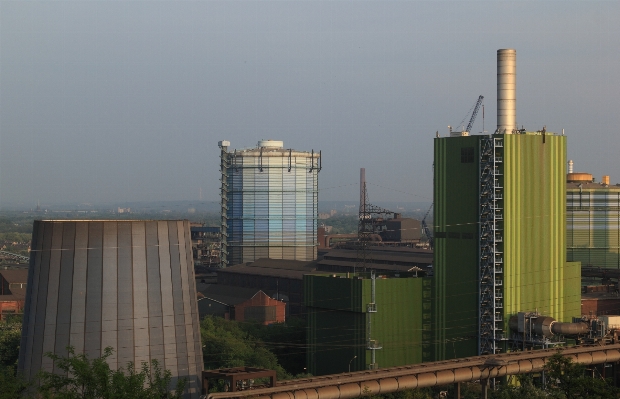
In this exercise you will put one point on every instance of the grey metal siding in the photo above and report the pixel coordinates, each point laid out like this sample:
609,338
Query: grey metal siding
124,284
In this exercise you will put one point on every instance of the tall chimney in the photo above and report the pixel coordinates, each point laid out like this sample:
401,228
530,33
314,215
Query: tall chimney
506,90
570,166
363,189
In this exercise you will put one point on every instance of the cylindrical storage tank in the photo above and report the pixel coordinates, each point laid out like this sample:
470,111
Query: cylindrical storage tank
506,90
128,285
271,196
579,177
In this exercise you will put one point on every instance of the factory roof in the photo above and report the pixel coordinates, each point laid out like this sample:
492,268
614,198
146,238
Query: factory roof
385,254
15,276
294,269
326,264
228,294
592,186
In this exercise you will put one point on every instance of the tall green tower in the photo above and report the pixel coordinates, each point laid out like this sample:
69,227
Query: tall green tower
500,244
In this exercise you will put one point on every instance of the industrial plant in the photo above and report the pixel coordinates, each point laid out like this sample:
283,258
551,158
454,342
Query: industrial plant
499,272
592,220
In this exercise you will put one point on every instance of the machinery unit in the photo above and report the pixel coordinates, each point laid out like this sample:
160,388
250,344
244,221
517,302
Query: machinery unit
269,203
531,330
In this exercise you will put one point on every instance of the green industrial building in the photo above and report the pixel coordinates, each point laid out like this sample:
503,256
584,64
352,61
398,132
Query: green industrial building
355,327
500,244
499,249
592,221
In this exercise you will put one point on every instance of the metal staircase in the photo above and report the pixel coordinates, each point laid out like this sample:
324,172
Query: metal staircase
491,233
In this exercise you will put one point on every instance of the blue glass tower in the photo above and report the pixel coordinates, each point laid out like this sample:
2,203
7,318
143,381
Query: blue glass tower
269,203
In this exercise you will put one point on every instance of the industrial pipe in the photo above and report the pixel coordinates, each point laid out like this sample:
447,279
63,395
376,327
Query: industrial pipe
547,326
372,382
569,328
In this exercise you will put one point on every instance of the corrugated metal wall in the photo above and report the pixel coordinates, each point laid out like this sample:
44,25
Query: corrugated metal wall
338,321
272,206
534,228
535,275
455,288
593,226
124,284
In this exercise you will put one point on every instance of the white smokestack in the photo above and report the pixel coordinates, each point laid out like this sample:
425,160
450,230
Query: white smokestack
570,166
506,90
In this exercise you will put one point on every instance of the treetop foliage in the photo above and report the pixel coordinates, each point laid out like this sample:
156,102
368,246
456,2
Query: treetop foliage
93,379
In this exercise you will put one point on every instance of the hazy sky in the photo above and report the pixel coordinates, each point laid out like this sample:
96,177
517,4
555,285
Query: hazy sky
126,100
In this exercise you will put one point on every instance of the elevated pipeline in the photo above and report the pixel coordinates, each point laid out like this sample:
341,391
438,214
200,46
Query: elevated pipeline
352,385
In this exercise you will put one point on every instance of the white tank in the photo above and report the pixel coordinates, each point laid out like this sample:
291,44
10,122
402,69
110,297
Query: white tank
270,203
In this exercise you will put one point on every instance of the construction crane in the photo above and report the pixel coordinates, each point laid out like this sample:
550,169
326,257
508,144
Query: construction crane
426,230
474,113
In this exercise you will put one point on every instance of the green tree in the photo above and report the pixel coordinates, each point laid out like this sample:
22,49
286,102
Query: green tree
285,340
93,379
525,388
10,336
568,380
226,344
11,385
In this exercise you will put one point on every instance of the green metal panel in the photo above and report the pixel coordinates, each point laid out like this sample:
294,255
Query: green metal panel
398,323
535,271
593,225
534,226
338,321
336,293
572,291
455,288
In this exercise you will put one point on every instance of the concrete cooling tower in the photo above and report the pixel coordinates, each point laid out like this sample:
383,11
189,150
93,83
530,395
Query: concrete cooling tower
124,284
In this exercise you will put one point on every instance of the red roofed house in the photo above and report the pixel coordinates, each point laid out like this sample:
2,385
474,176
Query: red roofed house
12,291
240,304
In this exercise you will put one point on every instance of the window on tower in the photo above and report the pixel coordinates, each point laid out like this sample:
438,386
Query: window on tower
467,154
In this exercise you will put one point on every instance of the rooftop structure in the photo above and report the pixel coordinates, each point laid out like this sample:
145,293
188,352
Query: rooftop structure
396,259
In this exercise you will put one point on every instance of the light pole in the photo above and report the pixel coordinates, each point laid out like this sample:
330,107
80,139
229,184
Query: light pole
354,357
